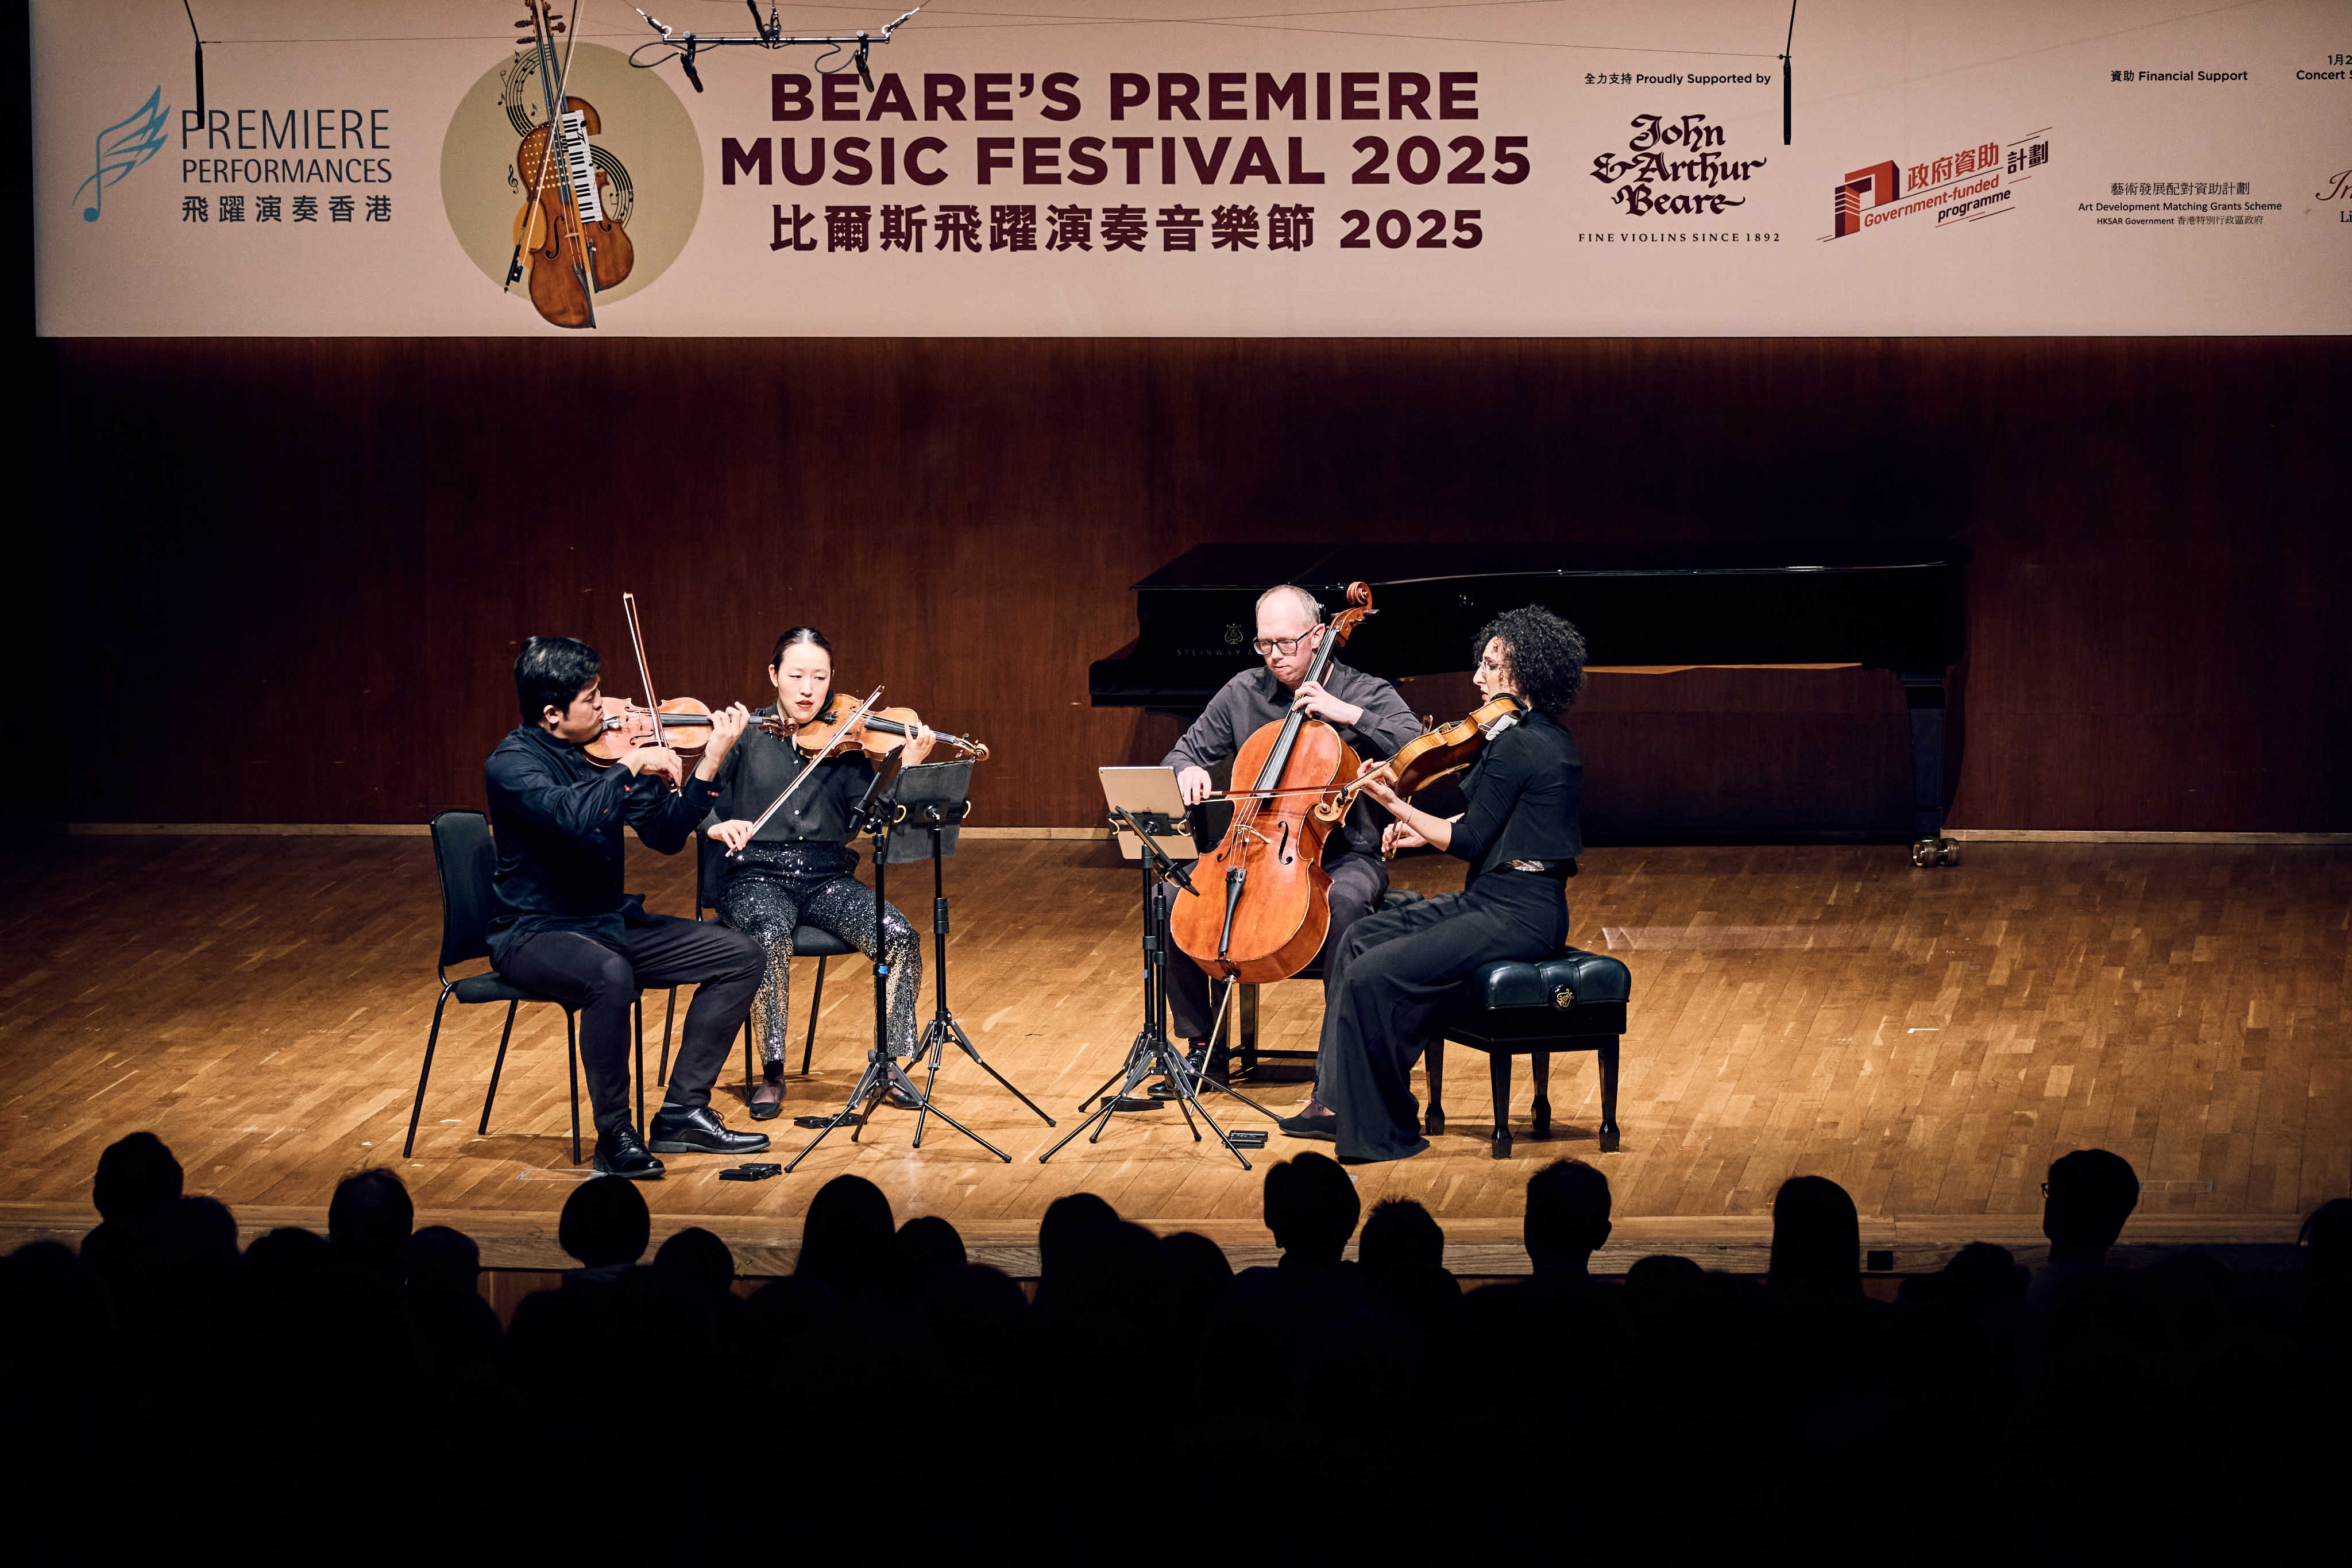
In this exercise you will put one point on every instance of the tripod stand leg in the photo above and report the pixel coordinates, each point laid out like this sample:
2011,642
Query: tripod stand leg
1134,1069
1217,1129
1223,1088
870,1081
893,1074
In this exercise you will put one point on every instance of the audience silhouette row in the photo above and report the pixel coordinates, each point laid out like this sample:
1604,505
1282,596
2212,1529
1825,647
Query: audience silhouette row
355,1394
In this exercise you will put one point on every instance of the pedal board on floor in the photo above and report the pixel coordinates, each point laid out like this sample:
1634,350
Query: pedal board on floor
814,1122
1247,1137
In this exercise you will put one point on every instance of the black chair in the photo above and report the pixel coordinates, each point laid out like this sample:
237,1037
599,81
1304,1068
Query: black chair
1573,1001
465,859
1241,1029
808,941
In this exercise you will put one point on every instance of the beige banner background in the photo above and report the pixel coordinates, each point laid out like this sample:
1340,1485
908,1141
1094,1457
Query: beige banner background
2080,239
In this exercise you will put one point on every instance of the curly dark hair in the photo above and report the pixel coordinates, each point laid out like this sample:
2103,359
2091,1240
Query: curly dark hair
1544,653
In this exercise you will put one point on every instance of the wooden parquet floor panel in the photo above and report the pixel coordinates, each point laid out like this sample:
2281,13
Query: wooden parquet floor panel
1931,1040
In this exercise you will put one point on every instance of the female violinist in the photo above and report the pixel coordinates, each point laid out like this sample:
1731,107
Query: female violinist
1519,833
800,868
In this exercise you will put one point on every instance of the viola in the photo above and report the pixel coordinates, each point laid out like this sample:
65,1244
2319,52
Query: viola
576,250
831,731
1433,754
1277,904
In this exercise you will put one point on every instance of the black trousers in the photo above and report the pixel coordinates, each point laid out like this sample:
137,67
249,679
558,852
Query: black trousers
1388,981
1358,883
724,967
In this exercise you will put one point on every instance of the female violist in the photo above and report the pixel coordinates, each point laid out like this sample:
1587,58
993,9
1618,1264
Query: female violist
800,869
1519,833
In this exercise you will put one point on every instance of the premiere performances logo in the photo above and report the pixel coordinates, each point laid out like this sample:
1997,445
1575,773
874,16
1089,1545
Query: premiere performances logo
1962,186
1675,169
121,148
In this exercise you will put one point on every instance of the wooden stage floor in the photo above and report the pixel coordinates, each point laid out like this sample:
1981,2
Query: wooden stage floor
1930,1039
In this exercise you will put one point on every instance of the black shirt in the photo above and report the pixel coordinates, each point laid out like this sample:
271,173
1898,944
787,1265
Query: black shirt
556,820
1521,798
758,768
1255,699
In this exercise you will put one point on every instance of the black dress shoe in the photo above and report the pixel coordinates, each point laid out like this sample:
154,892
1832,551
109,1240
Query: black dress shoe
621,1153
700,1132
1196,1062
768,1110
1323,1127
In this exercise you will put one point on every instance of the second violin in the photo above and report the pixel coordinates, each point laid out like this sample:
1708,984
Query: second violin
879,732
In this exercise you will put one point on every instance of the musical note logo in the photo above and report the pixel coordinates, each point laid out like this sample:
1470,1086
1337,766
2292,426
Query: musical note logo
122,147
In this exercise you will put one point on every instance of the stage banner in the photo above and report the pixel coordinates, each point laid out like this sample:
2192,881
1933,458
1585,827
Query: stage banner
1114,167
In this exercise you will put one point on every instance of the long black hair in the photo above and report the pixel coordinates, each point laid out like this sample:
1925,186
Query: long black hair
1546,655
797,635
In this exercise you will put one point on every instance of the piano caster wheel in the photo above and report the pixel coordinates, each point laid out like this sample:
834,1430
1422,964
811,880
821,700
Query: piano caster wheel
1929,852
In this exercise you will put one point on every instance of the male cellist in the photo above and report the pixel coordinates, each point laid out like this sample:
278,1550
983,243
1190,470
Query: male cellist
565,930
1370,717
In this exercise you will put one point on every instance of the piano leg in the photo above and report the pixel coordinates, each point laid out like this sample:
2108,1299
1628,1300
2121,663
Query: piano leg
1923,694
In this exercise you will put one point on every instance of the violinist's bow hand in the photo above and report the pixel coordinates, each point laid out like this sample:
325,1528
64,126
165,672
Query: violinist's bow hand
659,760
734,834
1396,836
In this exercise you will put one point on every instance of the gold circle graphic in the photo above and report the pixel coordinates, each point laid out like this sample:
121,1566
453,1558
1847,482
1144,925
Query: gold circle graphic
647,150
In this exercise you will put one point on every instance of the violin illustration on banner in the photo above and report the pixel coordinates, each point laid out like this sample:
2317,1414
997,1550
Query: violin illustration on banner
570,238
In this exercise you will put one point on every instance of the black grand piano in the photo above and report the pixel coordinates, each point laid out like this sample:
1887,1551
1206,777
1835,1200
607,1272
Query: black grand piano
1893,608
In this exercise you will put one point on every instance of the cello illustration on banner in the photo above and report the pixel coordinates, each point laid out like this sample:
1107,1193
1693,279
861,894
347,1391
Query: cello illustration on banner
571,237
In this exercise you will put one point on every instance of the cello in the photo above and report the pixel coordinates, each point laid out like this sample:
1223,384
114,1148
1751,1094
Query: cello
1269,907
576,248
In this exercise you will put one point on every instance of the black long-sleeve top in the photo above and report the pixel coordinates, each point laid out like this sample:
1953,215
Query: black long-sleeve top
1255,699
758,768
556,820
1521,799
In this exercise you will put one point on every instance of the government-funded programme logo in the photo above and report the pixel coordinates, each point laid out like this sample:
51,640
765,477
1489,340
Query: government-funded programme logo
1958,186
1673,169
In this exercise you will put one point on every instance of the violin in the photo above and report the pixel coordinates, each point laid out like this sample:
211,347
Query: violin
576,248
1433,754
1277,907
682,723
831,731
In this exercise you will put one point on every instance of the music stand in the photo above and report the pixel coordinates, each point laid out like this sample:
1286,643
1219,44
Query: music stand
1146,806
876,812
934,797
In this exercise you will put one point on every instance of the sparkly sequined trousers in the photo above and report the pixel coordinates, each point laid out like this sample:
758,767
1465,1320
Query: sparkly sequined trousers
780,886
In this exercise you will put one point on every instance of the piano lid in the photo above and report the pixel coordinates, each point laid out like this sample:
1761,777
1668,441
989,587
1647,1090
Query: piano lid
1891,606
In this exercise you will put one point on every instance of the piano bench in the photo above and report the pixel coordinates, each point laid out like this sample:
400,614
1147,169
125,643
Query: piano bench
1240,1019
1573,1001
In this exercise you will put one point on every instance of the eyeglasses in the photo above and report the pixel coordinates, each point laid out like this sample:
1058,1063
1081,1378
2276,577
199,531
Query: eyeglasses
1287,644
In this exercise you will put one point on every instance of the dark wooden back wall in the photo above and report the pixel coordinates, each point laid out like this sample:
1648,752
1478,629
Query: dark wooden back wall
322,552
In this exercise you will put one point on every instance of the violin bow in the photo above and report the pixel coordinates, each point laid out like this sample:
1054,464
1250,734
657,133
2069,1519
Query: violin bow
809,767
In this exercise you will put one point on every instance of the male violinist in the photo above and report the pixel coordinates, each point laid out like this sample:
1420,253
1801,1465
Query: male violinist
1370,717
565,930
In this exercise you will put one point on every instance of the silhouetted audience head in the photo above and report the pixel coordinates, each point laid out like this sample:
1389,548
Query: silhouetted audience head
1981,1277
700,1257
926,1245
1196,1274
440,1258
1312,1208
845,1240
605,1224
2325,1246
1568,1214
1401,1237
136,1177
1816,1240
1069,1237
369,1222
2090,1194
195,1233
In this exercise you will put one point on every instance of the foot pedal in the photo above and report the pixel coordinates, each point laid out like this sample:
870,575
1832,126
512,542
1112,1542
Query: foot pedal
759,1172
1247,1137
814,1122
